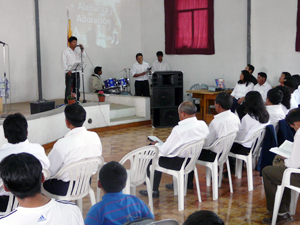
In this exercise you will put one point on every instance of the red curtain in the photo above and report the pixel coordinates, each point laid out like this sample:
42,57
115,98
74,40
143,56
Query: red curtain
189,27
298,29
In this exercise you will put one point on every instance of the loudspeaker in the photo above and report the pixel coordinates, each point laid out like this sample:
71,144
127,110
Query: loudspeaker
37,107
165,117
163,78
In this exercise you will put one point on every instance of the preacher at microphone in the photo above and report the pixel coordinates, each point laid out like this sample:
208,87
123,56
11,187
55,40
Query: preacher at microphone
70,56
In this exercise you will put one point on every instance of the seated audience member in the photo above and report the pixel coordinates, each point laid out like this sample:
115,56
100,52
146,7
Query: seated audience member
297,91
255,119
262,85
283,77
203,217
15,131
188,130
250,68
160,64
272,175
224,123
292,85
76,145
286,100
115,207
274,98
242,87
96,80
22,176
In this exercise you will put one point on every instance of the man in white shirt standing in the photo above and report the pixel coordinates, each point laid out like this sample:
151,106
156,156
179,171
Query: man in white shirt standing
140,71
189,129
273,106
272,175
15,128
70,56
22,176
160,64
76,145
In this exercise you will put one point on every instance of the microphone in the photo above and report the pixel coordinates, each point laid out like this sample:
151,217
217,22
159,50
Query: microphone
2,43
76,46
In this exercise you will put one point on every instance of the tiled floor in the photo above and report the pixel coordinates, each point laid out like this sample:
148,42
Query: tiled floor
240,207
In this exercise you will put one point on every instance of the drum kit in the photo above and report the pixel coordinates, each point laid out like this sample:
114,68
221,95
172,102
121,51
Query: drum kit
118,86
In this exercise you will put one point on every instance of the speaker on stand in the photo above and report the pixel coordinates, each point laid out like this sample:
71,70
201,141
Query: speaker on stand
167,89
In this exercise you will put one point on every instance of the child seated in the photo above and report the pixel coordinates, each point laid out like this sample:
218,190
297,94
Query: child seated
115,207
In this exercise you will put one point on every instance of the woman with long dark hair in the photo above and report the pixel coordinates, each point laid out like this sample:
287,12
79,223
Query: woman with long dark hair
242,87
256,118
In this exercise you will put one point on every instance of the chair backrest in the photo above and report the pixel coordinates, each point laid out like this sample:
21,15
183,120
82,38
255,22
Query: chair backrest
190,151
258,137
224,143
12,202
139,161
195,87
165,222
80,173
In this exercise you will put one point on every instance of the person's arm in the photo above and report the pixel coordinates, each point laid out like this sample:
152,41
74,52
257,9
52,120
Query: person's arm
244,128
212,136
234,91
293,161
172,142
56,160
146,213
96,83
92,218
64,60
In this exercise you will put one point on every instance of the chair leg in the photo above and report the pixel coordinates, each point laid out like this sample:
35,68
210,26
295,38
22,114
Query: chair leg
220,174
208,177
215,185
277,202
79,204
197,184
249,174
185,184
92,196
239,168
149,190
180,180
229,176
294,200
175,185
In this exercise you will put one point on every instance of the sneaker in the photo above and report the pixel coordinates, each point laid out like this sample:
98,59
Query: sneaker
155,194
280,219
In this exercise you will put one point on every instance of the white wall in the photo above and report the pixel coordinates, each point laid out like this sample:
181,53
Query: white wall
230,43
273,38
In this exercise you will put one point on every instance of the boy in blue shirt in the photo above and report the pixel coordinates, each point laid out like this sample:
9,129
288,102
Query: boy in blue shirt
115,207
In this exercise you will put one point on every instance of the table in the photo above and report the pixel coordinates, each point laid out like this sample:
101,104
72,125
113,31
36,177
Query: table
207,99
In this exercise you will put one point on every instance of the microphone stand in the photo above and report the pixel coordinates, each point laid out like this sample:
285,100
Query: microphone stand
82,74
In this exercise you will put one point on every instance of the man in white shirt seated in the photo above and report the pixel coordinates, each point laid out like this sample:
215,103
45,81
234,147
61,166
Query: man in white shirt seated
140,71
272,175
22,176
15,131
274,98
250,68
224,123
76,145
189,129
160,64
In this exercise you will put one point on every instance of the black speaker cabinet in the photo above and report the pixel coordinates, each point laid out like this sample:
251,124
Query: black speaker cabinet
165,117
167,78
37,107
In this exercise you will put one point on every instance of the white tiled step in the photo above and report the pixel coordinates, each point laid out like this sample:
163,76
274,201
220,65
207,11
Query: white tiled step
119,111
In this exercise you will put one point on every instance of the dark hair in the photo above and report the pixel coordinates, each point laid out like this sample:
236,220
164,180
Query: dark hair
21,174
293,116
187,107
137,55
75,114
15,128
113,177
72,38
275,96
97,69
286,100
297,77
224,100
248,78
291,83
286,75
251,67
255,107
203,217
159,53
263,75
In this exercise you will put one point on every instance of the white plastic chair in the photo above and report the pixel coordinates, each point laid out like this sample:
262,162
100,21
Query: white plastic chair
165,222
192,151
189,95
139,161
224,143
286,183
257,138
80,174
12,202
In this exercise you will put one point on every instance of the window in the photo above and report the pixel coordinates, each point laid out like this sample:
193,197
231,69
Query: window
189,27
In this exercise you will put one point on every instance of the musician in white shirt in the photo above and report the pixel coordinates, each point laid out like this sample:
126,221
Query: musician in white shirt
70,56
160,64
274,98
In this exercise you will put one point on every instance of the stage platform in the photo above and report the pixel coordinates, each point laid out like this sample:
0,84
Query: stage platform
118,111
